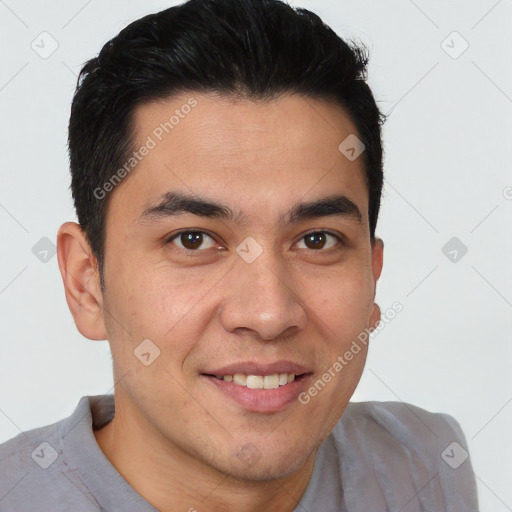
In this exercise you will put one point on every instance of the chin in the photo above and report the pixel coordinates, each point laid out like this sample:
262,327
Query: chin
254,466
266,473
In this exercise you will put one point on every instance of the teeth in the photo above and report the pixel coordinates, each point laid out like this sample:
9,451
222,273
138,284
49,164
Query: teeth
258,381
254,382
240,379
271,381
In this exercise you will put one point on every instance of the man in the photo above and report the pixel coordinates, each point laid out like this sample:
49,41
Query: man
226,168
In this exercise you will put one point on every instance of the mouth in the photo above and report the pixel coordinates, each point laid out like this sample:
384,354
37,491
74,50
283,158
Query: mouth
260,388
272,381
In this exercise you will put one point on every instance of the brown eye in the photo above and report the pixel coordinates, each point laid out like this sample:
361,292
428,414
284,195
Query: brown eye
320,240
192,240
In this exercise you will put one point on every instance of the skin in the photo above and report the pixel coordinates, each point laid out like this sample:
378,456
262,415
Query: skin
174,436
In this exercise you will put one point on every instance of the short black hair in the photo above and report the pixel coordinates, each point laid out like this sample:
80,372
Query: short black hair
254,49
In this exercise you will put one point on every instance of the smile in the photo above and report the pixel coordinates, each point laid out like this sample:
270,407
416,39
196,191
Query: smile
259,381
260,393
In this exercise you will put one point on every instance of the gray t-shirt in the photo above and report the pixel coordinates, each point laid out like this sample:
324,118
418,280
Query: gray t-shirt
381,456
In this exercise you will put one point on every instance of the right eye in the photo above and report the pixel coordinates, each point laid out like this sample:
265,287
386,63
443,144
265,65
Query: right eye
190,240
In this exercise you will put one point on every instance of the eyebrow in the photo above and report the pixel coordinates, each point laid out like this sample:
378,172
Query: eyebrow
172,204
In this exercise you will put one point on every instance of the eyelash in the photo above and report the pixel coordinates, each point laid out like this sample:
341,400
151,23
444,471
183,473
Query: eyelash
338,237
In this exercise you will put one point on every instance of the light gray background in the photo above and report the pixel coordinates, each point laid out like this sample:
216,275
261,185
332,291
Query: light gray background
447,170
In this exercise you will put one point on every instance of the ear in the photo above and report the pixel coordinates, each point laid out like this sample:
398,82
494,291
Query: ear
377,263
78,268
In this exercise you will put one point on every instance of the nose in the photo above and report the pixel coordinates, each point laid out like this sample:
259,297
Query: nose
262,299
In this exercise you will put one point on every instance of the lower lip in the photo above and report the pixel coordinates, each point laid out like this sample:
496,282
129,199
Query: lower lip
262,400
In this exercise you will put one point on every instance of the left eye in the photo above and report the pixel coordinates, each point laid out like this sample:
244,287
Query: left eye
318,240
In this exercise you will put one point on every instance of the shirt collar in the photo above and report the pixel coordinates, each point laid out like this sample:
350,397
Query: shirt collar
85,457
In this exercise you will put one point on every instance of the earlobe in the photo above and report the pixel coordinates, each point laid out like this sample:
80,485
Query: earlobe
374,317
81,281
377,263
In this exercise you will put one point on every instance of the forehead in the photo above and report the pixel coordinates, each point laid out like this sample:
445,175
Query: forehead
248,154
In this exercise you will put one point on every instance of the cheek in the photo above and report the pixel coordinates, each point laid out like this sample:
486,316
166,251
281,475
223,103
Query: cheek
155,300
345,310
150,305
342,301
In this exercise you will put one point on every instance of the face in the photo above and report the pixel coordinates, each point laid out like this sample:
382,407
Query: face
258,286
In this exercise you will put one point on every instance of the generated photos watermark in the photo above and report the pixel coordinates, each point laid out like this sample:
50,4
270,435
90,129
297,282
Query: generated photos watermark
348,355
157,135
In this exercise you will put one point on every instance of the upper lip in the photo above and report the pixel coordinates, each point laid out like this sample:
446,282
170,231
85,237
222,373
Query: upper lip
259,368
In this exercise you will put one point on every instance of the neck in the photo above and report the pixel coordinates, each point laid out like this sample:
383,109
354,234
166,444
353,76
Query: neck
171,479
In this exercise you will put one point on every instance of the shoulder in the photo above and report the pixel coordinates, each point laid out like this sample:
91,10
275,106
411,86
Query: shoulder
398,445
36,475
21,450
404,428
410,424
